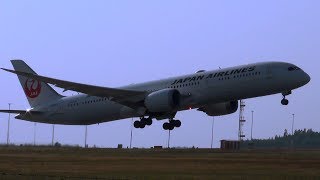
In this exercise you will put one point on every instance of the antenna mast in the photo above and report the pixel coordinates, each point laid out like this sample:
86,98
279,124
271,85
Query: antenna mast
241,121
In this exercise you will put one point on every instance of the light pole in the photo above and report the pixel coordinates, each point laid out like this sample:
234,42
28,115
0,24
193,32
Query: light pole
131,133
34,134
292,124
212,128
169,139
85,138
52,142
251,123
8,130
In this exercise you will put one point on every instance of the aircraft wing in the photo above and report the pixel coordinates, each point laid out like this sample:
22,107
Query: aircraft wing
121,96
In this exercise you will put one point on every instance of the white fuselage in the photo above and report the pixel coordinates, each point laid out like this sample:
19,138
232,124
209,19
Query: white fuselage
199,89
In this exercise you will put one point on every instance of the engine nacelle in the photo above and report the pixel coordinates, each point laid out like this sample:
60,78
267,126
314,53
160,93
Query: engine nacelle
164,100
220,109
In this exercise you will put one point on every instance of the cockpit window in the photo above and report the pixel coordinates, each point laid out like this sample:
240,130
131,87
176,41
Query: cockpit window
293,68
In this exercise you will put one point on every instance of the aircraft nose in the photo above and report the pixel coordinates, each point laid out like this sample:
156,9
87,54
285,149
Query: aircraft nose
306,78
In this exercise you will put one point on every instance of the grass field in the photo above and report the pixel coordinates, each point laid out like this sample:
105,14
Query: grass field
77,163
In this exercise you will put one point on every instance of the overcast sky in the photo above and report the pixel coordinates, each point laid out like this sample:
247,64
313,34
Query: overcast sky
114,43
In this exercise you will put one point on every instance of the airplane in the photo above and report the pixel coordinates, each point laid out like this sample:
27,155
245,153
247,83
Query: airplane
215,93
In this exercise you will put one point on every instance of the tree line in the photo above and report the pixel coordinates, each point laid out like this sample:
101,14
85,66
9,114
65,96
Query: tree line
306,138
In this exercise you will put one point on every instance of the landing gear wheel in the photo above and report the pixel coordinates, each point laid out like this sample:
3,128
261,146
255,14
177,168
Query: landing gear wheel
142,125
148,121
171,126
136,124
284,102
166,126
143,120
177,123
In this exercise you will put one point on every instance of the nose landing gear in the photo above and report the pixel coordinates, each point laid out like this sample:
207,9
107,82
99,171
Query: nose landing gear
285,101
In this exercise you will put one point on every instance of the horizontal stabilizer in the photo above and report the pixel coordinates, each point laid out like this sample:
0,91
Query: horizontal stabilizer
14,111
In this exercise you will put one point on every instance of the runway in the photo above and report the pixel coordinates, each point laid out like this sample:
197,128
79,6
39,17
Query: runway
78,163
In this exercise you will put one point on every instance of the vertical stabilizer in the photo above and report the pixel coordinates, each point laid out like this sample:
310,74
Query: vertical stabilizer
37,92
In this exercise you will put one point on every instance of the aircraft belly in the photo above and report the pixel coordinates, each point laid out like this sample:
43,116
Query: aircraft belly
94,114
88,114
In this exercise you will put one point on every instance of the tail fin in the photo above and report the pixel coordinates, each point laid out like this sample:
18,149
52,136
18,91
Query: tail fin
36,92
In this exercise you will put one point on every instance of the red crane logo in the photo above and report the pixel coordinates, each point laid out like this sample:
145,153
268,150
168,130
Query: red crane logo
32,88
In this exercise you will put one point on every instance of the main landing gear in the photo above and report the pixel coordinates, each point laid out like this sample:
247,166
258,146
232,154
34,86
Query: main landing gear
171,124
148,121
285,101
143,122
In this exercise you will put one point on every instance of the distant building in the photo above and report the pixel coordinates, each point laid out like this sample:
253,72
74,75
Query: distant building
230,145
157,147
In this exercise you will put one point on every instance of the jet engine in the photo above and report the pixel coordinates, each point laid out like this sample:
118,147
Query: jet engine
220,109
164,100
